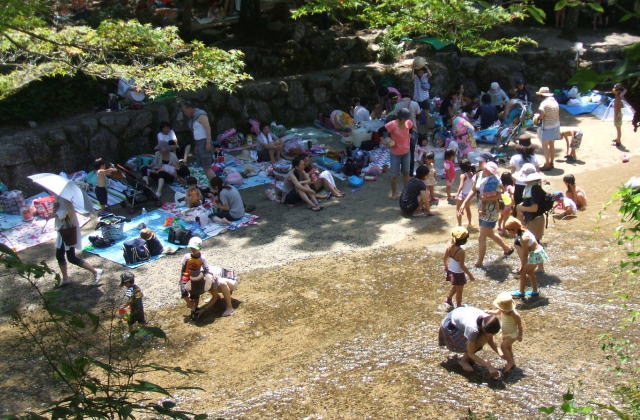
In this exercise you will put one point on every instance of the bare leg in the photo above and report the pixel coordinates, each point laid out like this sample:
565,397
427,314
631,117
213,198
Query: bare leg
458,295
507,352
405,179
210,173
394,193
63,271
482,245
226,292
272,156
160,186
221,220
498,240
187,150
458,216
618,135
308,198
334,190
468,210
464,362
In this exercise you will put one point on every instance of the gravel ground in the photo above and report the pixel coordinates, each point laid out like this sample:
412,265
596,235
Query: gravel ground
365,219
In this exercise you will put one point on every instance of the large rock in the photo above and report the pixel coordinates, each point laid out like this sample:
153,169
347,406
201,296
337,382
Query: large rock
116,122
296,97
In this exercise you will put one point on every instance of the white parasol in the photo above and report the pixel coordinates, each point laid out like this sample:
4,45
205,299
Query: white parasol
65,188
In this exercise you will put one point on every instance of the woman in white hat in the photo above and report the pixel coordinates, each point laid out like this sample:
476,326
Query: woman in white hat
530,211
488,185
549,130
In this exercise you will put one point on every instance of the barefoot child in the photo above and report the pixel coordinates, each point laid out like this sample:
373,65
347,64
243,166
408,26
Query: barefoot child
102,172
194,195
506,199
429,162
573,137
464,188
575,193
532,254
511,324
454,265
449,171
134,301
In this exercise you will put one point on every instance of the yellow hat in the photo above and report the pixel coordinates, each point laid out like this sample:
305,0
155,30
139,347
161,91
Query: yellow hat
459,232
504,302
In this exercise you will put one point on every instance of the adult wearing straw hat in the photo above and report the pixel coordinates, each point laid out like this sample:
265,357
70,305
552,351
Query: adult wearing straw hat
549,130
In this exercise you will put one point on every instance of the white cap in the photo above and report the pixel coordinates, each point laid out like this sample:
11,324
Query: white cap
195,243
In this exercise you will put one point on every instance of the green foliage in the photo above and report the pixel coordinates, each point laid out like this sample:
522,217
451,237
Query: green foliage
157,58
389,50
461,22
99,373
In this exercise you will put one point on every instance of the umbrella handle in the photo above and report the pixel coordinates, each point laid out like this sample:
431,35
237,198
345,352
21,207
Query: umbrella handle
45,224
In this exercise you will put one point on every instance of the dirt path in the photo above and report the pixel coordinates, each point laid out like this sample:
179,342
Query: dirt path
353,334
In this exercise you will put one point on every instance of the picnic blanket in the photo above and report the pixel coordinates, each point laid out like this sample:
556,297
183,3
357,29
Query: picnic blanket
583,108
488,135
436,43
155,220
28,234
311,133
380,157
260,179
9,221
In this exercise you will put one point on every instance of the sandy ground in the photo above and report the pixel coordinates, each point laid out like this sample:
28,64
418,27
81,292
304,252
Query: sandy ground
337,316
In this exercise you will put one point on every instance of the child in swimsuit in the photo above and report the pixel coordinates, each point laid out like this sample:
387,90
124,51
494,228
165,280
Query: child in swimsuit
511,327
454,265
531,254
429,162
464,188
102,172
449,171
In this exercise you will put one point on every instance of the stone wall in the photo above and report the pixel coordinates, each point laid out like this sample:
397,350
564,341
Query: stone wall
73,144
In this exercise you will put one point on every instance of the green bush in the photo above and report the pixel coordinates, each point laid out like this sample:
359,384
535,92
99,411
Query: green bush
389,50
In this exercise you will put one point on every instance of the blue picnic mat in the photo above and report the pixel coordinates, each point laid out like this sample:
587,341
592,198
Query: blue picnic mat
584,108
9,221
488,135
154,220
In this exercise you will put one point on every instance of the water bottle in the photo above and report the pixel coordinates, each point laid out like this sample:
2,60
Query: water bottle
144,211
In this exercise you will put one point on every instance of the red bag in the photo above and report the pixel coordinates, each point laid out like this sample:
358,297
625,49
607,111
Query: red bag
44,206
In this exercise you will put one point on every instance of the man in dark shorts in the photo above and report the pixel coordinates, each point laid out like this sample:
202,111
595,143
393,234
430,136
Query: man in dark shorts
415,199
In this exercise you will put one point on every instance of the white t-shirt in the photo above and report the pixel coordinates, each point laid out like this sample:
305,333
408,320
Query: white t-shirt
264,140
517,162
166,138
465,318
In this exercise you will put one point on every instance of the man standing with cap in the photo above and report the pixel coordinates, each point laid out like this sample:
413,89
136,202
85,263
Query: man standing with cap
201,130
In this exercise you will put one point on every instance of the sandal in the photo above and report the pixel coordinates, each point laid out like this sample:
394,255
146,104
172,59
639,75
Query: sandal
316,208
517,294
532,293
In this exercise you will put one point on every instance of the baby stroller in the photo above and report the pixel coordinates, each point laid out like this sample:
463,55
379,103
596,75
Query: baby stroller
137,192
512,126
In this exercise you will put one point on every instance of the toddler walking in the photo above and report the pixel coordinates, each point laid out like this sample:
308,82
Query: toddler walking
511,324
430,182
450,172
464,188
506,199
454,265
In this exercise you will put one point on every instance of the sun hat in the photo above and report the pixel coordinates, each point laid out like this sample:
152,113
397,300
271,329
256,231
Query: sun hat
459,232
419,63
492,167
527,173
557,195
195,243
403,114
486,157
126,277
504,302
146,234
544,91
525,139
495,87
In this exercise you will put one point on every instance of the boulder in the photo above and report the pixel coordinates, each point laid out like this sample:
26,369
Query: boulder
116,122
320,95
296,97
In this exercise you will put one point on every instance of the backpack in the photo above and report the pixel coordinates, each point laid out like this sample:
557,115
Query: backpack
100,242
179,236
547,207
135,251
360,158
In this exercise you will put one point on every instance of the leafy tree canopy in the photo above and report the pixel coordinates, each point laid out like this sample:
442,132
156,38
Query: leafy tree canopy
461,22
33,47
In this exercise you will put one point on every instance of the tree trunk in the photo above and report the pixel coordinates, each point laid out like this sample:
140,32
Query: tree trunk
187,15
250,14
570,29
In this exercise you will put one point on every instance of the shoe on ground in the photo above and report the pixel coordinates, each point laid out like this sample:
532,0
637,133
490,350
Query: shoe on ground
517,294
64,283
98,275
227,312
